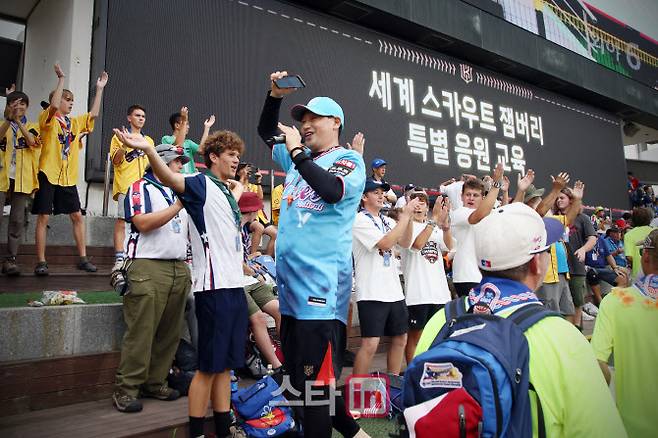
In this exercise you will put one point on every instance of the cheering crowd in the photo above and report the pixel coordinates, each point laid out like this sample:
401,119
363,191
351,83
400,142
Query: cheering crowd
186,239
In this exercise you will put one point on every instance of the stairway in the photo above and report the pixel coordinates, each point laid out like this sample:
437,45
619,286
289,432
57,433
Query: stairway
62,264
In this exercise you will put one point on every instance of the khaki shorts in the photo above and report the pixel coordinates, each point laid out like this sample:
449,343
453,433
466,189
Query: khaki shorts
258,295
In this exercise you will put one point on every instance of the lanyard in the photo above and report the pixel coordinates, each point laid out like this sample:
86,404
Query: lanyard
229,197
385,228
160,187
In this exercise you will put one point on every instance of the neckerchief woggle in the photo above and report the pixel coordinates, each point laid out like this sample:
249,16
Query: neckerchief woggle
65,124
237,216
494,295
648,286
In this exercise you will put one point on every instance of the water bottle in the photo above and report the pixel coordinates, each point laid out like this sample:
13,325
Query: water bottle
234,382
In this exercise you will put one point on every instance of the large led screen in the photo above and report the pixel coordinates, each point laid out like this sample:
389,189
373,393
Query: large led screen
430,116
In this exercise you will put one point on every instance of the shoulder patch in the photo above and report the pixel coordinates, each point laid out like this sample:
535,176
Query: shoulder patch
342,167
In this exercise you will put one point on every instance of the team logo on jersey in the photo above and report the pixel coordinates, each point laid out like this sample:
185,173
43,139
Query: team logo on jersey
342,167
306,198
308,370
430,251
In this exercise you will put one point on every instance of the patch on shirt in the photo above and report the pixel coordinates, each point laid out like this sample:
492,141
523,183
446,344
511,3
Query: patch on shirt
342,167
316,301
430,251
440,375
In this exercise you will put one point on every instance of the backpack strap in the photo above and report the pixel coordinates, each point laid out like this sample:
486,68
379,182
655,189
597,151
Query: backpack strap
541,426
455,308
529,315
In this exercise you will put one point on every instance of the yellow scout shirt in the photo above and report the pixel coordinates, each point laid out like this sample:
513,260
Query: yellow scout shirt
130,169
24,160
61,145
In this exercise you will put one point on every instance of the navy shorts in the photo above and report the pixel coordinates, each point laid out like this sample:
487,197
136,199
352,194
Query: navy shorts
222,321
419,314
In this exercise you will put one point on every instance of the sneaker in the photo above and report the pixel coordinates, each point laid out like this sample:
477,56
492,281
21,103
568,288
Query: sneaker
590,309
86,265
10,267
125,403
41,269
164,393
587,317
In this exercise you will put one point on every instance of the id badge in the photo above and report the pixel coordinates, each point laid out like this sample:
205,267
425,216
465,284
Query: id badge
175,224
387,259
595,256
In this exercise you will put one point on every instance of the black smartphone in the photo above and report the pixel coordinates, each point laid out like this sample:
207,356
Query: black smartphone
294,81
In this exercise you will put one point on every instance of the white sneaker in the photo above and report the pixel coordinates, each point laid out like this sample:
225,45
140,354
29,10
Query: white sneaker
591,309
587,317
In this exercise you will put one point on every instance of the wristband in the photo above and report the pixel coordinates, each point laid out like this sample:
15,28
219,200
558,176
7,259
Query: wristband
430,223
301,149
497,184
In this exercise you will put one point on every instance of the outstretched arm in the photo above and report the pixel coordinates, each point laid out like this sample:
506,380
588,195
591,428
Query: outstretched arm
57,95
166,176
522,185
559,183
101,82
488,202
207,124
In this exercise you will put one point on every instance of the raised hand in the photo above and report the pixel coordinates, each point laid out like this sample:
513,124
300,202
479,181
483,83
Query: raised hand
293,138
134,140
524,183
276,91
101,82
505,187
11,89
441,210
498,172
358,143
209,122
184,113
561,180
578,190
409,208
58,71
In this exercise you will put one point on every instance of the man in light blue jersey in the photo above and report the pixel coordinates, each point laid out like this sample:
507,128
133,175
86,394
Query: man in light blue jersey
324,183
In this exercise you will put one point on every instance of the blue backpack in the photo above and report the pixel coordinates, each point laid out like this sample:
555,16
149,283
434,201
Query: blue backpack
259,416
485,358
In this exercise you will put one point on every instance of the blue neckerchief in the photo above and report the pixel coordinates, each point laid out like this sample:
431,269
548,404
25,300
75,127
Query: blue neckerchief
494,295
648,286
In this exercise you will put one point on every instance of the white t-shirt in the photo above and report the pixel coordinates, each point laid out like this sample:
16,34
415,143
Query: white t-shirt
376,280
454,192
401,202
168,242
424,276
216,242
464,265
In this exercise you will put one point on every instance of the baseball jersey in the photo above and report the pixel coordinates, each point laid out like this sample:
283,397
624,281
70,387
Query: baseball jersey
168,242
215,236
314,243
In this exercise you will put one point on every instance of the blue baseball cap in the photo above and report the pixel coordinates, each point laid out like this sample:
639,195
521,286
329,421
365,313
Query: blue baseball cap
377,163
372,185
322,106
